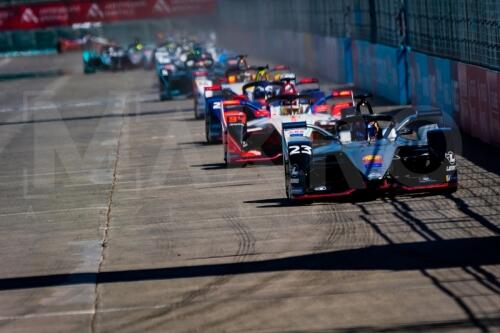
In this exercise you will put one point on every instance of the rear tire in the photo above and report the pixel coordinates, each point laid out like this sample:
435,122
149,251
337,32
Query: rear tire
449,191
207,134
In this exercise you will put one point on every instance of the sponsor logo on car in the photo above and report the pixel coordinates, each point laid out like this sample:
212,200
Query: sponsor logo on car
372,161
450,156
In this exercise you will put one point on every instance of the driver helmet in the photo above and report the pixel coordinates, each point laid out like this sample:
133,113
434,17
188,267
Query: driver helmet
259,93
291,108
242,62
269,91
262,74
374,131
288,81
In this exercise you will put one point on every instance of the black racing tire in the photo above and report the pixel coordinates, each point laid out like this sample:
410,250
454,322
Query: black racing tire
207,136
287,190
449,191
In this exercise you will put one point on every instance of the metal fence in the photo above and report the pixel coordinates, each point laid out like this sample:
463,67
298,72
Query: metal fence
465,30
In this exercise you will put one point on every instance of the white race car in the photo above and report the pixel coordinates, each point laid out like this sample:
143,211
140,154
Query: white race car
261,139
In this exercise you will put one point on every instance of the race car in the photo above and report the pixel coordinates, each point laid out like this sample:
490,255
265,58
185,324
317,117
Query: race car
148,60
230,87
203,77
310,86
175,79
135,54
259,140
71,44
205,74
278,70
215,96
367,152
109,57
335,102
261,91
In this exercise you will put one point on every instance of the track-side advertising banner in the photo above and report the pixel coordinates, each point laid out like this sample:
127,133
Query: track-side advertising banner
69,12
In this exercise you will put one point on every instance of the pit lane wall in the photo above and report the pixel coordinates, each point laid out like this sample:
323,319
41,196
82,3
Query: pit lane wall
469,93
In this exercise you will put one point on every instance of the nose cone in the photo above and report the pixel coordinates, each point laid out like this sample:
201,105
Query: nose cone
373,160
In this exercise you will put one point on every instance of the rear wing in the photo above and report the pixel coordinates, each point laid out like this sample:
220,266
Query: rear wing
217,91
293,129
289,98
294,125
308,83
213,91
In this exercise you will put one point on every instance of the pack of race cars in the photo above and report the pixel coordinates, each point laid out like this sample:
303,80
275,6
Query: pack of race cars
331,143
100,54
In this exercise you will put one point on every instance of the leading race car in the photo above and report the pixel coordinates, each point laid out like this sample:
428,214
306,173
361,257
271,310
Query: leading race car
369,152
259,140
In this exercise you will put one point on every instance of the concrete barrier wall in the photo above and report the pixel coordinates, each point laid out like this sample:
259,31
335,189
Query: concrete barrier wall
380,69
469,93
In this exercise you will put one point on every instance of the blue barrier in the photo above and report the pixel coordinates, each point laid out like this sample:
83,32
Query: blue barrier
349,75
380,69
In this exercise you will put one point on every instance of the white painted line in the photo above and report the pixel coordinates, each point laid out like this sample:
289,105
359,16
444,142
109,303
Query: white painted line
54,211
82,312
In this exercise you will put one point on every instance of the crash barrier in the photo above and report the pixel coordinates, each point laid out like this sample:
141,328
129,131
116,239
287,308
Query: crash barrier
36,26
468,93
471,94
381,70
43,40
36,15
18,41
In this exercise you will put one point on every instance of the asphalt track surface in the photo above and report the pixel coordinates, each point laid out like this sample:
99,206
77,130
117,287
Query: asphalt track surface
116,216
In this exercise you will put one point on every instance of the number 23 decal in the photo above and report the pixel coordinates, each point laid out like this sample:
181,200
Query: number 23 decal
302,149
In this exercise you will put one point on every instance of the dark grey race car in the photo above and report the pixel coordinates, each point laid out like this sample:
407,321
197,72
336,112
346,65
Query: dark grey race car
369,152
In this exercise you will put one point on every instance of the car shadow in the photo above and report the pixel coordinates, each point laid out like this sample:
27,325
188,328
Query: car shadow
210,166
196,143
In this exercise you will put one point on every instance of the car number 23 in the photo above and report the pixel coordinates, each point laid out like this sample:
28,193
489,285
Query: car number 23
302,149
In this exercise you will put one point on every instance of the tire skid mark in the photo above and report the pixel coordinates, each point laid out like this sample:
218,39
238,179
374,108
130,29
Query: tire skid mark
246,247
163,242
246,238
335,227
